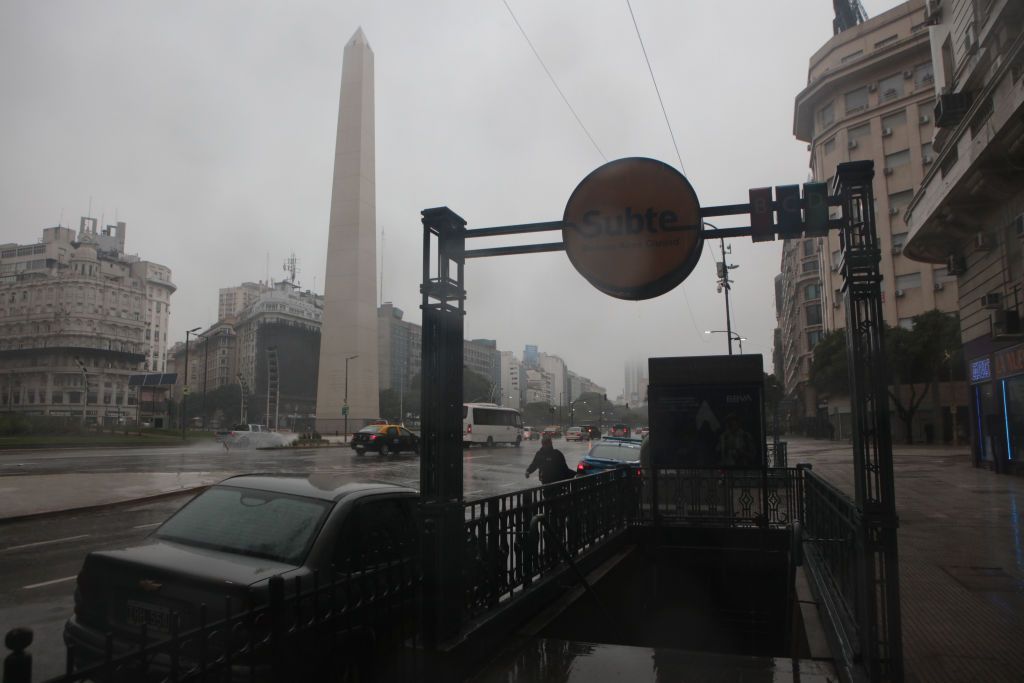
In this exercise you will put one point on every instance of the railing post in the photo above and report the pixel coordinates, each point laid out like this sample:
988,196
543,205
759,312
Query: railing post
18,664
278,629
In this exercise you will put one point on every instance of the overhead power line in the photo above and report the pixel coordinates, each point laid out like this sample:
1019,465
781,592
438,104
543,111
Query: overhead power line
647,59
553,81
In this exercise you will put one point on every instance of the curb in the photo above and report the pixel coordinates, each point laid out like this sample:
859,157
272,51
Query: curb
102,506
67,447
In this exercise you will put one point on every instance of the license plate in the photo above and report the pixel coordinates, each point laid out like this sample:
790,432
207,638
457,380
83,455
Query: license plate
153,617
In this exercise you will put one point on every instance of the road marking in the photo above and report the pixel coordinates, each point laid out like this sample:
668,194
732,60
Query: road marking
48,583
147,526
39,543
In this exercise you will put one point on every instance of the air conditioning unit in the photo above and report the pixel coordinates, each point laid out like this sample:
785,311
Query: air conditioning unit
992,300
835,268
887,170
896,251
852,144
982,242
939,286
1005,324
924,118
898,293
836,303
886,132
808,147
872,87
927,159
908,74
955,265
893,211
928,78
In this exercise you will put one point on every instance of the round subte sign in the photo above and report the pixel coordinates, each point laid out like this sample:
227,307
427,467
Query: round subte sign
632,228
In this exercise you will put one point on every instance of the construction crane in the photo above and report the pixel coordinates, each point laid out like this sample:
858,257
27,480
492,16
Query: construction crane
849,13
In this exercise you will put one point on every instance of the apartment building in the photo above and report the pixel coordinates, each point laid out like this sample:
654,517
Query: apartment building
966,219
78,316
870,95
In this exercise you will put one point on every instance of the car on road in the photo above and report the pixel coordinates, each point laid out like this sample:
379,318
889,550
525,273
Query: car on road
592,432
642,431
609,454
254,436
577,434
223,548
530,434
619,430
552,431
385,439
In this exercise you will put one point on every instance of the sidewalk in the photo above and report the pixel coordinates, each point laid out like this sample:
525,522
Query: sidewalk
961,552
38,494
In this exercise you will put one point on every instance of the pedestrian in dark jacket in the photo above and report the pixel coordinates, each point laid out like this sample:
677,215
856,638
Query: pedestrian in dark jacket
551,463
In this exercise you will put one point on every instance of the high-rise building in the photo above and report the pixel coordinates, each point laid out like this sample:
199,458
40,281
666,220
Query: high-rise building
634,390
556,369
530,355
78,316
231,301
870,95
966,220
347,387
399,350
511,381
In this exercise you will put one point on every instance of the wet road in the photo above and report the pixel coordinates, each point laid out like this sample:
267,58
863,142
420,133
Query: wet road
40,557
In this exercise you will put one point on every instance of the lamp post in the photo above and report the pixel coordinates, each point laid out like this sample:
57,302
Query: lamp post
732,335
241,390
184,389
206,370
85,395
344,407
724,283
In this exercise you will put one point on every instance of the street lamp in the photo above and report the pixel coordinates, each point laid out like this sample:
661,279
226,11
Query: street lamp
241,389
724,283
732,335
184,389
85,380
344,407
206,370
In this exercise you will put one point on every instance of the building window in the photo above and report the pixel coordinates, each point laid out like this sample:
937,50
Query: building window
857,132
924,75
809,248
895,121
890,88
857,100
813,313
826,116
812,291
830,145
897,159
813,337
908,281
809,267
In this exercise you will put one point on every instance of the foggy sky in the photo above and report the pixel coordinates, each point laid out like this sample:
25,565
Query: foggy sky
209,127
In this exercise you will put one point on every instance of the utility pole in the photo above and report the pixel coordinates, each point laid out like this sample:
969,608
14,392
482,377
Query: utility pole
206,370
184,388
85,396
724,283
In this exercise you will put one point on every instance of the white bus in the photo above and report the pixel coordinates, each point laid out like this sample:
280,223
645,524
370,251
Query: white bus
488,423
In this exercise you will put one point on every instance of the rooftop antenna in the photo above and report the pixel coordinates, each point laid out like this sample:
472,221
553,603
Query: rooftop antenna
268,269
291,266
849,13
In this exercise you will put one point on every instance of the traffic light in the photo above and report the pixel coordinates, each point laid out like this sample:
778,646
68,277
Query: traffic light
762,229
815,210
787,197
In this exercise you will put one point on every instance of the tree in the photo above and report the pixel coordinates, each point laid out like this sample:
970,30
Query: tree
476,388
829,370
915,357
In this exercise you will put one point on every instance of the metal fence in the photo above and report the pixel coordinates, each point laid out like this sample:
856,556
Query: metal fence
506,551
725,498
360,625
833,543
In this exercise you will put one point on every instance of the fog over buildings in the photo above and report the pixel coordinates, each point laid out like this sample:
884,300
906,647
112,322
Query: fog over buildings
212,135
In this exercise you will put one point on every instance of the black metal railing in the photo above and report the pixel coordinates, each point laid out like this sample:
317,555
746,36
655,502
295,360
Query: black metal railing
833,532
725,497
360,624
506,551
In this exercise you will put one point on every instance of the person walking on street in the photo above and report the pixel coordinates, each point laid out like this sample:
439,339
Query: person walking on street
551,463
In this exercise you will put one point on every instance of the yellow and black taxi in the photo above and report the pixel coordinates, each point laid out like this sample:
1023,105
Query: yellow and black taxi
385,439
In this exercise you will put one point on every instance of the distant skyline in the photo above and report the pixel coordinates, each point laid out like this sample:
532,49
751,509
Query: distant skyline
211,133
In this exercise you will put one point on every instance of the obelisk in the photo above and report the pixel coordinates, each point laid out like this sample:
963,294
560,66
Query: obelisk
348,339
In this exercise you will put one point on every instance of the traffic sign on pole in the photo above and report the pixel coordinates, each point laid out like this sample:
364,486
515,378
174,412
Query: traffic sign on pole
344,410
815,210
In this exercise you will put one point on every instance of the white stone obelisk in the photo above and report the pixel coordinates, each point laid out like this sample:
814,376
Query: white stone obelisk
350,286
